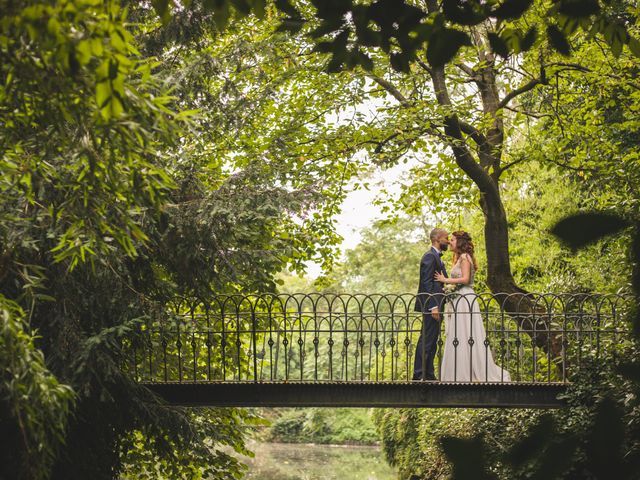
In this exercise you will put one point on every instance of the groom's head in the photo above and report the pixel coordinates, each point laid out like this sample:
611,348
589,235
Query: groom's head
439,239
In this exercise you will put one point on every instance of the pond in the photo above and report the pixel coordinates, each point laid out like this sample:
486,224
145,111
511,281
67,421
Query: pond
294,461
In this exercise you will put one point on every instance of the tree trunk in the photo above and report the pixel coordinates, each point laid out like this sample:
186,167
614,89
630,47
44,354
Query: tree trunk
485,173
496,234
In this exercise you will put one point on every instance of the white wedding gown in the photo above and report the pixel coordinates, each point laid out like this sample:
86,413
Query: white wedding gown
466,358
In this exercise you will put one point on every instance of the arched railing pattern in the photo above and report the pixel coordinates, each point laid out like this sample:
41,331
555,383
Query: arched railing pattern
368,338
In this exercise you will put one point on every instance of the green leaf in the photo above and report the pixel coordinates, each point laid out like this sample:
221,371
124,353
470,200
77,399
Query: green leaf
529,39
242,6
533,444
221,12
498,45
557,457
259,7
578,8
444,44
558,40
467,456
293,25
400,62
326,27
83,52
336,64
103,93
634,46
365,61
604,450
511,9
463,12
577,231
161,7
616,37
630,370
323,47
285,6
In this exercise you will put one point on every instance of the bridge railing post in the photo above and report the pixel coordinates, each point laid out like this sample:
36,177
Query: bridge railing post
254,341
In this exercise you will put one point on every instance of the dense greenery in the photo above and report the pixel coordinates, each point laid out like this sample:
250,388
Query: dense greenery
320,425
121,189
148,154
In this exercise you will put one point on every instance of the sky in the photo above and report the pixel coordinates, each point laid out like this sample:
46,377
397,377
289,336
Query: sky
359,211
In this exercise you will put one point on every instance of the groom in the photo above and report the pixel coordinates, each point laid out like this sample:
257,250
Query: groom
430,301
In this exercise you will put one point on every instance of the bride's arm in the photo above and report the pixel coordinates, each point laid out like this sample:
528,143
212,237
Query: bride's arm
465,268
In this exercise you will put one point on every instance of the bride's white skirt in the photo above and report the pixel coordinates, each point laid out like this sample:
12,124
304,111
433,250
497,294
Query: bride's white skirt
466,357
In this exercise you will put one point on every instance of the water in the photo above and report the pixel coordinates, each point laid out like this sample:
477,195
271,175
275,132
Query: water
294,461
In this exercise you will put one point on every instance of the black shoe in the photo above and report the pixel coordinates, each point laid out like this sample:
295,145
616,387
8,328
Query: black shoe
427,378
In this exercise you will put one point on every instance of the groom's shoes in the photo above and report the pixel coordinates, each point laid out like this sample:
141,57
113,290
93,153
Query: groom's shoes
427,378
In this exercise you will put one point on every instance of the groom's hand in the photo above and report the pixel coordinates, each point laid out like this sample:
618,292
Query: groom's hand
435,313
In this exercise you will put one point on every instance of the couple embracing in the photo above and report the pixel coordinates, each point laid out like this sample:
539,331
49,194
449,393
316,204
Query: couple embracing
465,358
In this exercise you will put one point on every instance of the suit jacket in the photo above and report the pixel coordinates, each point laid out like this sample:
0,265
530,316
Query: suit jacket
430,292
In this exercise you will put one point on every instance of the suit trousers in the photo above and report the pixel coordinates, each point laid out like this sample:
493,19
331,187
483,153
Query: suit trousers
427,345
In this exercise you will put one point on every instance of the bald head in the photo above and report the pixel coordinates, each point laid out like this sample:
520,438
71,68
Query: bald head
437,233
439,238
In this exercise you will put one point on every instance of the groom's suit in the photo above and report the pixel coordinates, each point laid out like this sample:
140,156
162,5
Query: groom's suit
430,295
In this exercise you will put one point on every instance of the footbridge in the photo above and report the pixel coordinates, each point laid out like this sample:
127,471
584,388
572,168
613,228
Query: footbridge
359,350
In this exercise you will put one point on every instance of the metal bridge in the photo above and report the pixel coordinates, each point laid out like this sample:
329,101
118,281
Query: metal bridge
358,350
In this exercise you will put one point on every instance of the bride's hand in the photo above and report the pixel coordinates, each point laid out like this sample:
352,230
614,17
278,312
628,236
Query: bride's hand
439,277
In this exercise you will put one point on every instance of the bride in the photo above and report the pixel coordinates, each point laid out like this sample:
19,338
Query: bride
466,358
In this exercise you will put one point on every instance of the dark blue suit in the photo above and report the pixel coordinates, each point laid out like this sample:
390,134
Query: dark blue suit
430,294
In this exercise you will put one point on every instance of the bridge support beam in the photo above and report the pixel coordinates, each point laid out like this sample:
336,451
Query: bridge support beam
361,394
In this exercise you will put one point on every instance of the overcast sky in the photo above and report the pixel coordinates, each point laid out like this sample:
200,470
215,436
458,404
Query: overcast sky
358,210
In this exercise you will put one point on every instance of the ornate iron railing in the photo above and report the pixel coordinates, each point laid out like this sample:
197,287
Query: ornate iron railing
368,338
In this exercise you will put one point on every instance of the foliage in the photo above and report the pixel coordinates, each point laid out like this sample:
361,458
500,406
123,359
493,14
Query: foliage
321,425
35,406
349,30
540,264
595,437
85,125
607,441
203,459
403,29
387,258
142,161
117,197
410,438
384,261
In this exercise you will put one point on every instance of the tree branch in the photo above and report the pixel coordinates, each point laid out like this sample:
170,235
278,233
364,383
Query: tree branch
466,69
425,66
529,114
391,89
515,162
453,129
474,133
518,91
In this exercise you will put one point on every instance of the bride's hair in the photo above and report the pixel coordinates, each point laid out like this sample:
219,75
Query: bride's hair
464,244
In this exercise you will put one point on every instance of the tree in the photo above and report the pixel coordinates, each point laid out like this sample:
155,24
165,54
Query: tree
383,261
474,125
116,197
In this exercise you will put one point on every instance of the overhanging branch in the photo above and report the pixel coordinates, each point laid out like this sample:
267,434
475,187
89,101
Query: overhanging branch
518,91
391,89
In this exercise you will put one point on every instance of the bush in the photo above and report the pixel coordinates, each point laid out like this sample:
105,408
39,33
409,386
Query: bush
34,406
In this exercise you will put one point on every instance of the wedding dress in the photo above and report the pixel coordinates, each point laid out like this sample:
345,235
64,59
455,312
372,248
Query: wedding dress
466,357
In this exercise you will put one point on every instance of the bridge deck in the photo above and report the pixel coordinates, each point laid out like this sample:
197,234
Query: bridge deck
360,394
